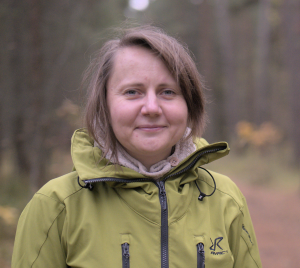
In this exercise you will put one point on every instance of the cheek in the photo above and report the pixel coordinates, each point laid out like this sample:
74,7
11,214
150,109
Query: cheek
115,109
121,116
179,115
116,119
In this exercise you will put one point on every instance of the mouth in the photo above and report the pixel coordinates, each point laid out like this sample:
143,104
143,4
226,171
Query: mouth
150,128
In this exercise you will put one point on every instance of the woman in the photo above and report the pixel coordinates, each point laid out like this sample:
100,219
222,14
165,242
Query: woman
138,196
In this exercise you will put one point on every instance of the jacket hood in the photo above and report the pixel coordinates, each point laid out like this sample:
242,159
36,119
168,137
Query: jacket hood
89,164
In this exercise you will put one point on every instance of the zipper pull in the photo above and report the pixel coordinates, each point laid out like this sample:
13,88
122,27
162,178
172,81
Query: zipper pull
163,195
125,253
201,255
200,247
125,248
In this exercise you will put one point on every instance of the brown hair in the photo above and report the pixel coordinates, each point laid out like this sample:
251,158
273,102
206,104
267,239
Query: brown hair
177,59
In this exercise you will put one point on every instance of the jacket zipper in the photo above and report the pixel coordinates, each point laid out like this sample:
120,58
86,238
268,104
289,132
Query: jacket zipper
125,255
164,225
200,256
163,203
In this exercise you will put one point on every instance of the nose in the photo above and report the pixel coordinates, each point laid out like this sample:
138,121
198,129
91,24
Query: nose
151,105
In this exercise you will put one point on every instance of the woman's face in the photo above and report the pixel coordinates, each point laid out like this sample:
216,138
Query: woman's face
148,112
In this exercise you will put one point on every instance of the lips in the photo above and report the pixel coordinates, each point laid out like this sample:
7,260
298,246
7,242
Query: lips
150,127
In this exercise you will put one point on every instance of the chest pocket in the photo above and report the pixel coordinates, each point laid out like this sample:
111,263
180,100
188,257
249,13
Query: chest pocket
199,241
212,252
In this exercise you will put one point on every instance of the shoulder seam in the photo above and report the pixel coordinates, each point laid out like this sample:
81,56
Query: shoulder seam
57,200
47,234
240,208
73,193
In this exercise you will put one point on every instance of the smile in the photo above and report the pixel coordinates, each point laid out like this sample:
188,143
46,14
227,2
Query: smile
150,128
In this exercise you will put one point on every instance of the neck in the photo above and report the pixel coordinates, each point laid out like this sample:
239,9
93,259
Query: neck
149,160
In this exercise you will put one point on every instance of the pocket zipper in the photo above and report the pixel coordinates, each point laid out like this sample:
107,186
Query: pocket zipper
125,255
244,228
200,256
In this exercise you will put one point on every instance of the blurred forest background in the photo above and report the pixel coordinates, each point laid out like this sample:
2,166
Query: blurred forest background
247,50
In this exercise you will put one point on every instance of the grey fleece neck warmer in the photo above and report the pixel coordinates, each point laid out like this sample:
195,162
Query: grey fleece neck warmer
183,149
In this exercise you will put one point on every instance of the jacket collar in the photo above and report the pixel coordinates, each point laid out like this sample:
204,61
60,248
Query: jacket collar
89,164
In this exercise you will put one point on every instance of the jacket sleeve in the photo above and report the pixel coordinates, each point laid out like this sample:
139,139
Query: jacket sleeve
247,254
38,236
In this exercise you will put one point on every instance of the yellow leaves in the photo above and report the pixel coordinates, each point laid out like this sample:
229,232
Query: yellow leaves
9,215
244,130
259,136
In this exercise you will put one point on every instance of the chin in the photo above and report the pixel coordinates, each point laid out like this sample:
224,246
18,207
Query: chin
155,151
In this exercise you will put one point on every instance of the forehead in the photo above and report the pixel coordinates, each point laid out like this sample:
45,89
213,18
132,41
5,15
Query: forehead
134,54
135,61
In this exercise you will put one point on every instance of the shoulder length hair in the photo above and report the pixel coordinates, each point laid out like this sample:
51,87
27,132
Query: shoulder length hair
178,61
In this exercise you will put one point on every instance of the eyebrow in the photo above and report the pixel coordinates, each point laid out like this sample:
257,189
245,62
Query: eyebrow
141,84
134,84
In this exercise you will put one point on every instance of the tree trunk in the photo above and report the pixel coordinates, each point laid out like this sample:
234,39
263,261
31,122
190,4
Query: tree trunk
52,81
18,89
291,19
228,66
4,73
261,73
207,68
36,85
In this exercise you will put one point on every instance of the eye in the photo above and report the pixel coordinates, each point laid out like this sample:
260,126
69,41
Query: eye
168,92
131,92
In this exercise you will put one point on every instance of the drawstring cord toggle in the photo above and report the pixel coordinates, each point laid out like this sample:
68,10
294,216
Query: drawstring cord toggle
202,195
88,185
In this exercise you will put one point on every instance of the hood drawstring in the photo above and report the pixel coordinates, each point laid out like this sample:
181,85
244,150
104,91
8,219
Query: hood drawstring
88,185
202,195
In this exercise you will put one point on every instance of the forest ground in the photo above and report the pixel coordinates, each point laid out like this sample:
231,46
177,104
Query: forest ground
276,219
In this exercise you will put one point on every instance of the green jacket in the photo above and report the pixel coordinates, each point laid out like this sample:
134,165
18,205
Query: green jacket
142,223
